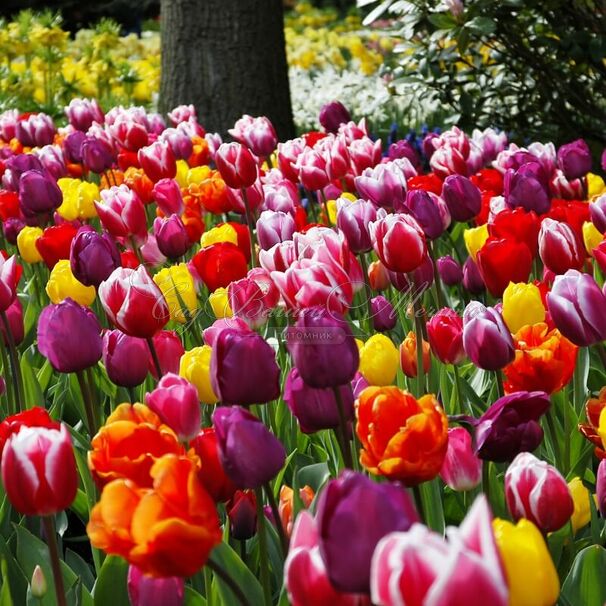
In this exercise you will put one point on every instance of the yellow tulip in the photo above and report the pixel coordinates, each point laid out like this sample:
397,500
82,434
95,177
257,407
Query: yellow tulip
379,360
223,233
582,508
195,367
595,185
26,243
591,236
62,284
179,290
196,175
181,176
78,199
522,305
219,302
475,237
531,575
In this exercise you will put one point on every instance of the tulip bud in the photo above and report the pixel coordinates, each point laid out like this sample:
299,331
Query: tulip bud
72,147
26,244
445,334
522,305
242,514
378,276
353,219
195,367
171,236
461,469
145,590
574,159
429,210
559,247
167,195
399,242
449,270
383,314
96,154
408,356
124,358
527,188
236,164
472,278
538,492
38,193
274,227
38,583
12,228
93,256
250,453
379,360
14,315
332,115
259,136
169,348
601,487
462,197
582,508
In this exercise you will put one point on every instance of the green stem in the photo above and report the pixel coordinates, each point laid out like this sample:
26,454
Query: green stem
368,292
12,352
229,581
460,391
136,250
249,222
276,514
553,435
88,405
154,354
51,540
486,479
416,491
342,433
419,338
263,556
437,282
499,377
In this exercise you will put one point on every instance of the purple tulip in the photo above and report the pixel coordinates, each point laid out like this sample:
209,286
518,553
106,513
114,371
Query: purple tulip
354,513
577,305
93,256
242,514
144,590
16,166
462,197
125,358
574,159
72,146
274,227
316,409
510,426
353,220
243,368
449,270
384,185
472,278
527,188
69,335
601,487
597,212
171,236
179,143
486,339
332,115
429,210
11,228
603,160
323,348
37,130
38,193
251,455
81,113
403,149
384,316
97,156
53,161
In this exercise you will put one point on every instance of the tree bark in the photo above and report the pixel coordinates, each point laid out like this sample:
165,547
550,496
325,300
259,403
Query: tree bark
228,58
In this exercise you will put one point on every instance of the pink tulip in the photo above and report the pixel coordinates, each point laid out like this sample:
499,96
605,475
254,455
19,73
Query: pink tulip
288,154
364,153
336,155
81,113
253,297
9,278
167,195
237,165
311,166
178,141
279,257
281,196
128,134
384,185
122,213
169,348
274,227
211,334
258,134
158,161
559,246
461,469
144,590
181,113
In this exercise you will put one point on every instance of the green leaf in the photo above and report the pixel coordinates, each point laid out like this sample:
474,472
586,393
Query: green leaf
33,393
111,584
192,598
442,20
482,25
584,583
5,593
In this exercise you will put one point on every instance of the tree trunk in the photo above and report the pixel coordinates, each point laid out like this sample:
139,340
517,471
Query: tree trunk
228,58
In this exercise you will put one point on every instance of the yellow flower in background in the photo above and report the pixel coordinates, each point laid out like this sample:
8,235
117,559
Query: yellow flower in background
580,495
531,575
62,284
591,236
379,360
195,367
26,244
475,237
78,199
219,302
522,305
223,233
179,290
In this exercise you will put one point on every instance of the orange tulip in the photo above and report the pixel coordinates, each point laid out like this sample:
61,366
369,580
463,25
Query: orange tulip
408,355
128,445
544,360
168,530
593,408
403,438
285,507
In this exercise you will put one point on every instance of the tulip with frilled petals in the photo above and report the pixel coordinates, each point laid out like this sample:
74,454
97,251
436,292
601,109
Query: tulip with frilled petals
238,360
175,401
167,195
124,358
574,159
122,213
353,219
445,334
379,360
526,187
449,270
429,210
486,339
316,409
133,302
250,453
355,501
559,247
399,242
576,305
332,115
96,155
10,273
538,492
236,164
384,316
145,590
522,305
402,438
531,575
447,565
462,197
93,256
69,335
62,284
39,470
38,193
158,161
323,348
384,185
408,355
274,227
461,469
510,426
242,513
171,236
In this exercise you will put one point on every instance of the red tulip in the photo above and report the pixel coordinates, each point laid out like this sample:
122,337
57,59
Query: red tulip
236,164
559,247
158,161
445,334
55,243
220,264
10,273
122,213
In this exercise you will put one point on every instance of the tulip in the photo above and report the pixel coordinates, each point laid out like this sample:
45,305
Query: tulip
259,136
38,193
38,583
96,155
129,134
69,335
133,302
124,358
378,276
429,210
559,247
527,188
354,220
52,160
274,227
145,590
592,238
445,334
219,302
449,270
195,367
26,244
35,130
582,508
72,147
93,256
169,348
81,113
522,305
242,514
250,453
158,161
403,149
472,278
332,115
122,213
408,355
475,238
179,142
175,401
14,317
510,426
287,153
531,575
54,244
601,488
179,290
10,273
238,360
236,164
461,469
574,159
253,299
311,168
220,264
486,339
384,317
316,409
78,199
167,195
62,284
374,510
597,212
462,197
399,242
12,228
576,306
171,236
447,566
364,153
384,185
538,492
322,348
39,470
